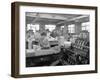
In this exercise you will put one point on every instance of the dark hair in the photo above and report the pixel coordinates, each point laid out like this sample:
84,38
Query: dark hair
43,34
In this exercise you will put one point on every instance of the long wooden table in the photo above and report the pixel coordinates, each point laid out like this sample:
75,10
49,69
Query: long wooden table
32,52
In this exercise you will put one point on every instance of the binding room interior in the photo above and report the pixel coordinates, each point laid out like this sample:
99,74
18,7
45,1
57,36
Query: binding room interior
56,39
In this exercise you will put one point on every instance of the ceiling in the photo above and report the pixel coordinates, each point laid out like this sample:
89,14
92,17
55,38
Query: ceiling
52,18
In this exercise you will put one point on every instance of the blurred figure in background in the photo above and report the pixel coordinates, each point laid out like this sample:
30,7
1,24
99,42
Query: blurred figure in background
44,43
48,33
29,39
37,35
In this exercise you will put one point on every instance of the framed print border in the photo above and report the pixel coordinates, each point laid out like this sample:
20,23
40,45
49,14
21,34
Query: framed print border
15,39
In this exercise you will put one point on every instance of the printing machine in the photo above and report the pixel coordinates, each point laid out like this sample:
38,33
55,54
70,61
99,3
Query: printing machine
80,50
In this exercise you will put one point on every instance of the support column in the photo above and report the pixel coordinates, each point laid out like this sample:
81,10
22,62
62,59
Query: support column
78,27
42,27
65,31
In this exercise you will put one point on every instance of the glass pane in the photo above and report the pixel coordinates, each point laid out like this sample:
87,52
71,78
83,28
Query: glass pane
50,27
33,27
85,26
71,28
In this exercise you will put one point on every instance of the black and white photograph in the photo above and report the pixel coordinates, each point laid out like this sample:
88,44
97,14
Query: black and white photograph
57,39
51,39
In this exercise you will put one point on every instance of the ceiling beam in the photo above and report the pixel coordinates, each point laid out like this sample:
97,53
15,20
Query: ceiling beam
36,18
73,19
48,16
56,17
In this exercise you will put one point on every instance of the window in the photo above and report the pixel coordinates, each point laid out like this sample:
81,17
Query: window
33,27
85,26
50,27
71,28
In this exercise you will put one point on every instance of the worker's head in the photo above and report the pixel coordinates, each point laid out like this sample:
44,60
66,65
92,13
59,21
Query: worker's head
43,34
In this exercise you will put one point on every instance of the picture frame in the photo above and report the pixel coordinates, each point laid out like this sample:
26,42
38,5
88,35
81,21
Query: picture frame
20,13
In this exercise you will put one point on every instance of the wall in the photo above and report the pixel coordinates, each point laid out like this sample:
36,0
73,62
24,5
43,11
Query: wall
5,40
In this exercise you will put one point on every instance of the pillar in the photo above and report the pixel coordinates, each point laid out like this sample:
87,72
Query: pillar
42,27
78,27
